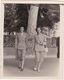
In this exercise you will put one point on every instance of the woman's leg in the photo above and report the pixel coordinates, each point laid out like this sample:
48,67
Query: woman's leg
16,54
41,58
23,58
36,59
19,61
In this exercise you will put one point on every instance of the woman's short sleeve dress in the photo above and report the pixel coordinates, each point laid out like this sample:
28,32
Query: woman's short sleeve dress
39,40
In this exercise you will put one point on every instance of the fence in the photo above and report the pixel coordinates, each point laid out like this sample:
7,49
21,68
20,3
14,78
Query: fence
9,41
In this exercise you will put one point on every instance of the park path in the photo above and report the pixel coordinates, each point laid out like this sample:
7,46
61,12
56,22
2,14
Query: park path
49,68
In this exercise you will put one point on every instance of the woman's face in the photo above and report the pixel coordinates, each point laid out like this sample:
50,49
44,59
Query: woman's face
45,31
21,29
38,30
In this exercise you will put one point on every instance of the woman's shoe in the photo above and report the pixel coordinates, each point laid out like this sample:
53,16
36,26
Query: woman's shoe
35,68
19,67
38,70
22,69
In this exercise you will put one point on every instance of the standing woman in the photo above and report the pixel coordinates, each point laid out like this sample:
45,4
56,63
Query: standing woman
20,47
39,49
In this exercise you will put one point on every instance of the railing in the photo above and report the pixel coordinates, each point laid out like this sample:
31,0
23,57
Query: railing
9,41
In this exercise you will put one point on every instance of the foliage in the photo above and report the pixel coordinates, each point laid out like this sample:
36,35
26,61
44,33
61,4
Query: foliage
16,15
50,13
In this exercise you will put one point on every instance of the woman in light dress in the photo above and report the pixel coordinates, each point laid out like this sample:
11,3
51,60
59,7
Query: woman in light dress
40,44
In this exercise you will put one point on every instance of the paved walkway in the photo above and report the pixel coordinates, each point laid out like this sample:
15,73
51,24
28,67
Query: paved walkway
49,68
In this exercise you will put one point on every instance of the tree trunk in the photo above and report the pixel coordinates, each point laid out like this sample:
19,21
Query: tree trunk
32,23
32,20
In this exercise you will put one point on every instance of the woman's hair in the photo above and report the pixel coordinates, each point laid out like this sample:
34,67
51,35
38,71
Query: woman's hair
45,28
37,28
21,27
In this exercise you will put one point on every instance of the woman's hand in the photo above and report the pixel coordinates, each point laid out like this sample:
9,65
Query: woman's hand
40,43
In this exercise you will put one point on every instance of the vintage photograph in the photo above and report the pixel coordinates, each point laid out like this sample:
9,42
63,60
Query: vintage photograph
31,40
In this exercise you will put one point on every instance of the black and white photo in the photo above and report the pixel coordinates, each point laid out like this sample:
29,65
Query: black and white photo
31,40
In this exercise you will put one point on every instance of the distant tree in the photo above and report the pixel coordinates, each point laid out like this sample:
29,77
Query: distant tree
15,17
48,15
10,16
